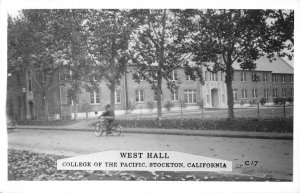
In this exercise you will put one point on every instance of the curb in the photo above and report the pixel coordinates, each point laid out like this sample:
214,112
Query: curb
278,136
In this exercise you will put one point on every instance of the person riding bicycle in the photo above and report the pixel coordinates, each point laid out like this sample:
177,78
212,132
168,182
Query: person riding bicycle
109,117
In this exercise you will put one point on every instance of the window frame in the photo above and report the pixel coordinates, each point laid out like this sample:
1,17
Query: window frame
243,77
244,94
95,97
139,96
116,96
193,93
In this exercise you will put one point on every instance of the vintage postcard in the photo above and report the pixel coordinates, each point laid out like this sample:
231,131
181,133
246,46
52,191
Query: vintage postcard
166,99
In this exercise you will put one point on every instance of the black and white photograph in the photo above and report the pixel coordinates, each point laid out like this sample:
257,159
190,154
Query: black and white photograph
111,95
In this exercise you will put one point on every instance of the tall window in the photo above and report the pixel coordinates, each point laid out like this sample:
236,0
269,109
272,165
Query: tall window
266,93
284,92
235,95
292,92
214,76
274,78
174,95
206,75
283,78
254,93
243,77
244,93
69,97
139,96
117,97
291,78
265,77
174,75
275,92
190,96
95,97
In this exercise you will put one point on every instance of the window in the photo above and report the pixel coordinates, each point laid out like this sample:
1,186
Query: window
206,75
292,92
266,93
283,78
275,92
174,95
190,96
244,93
95,97
235,95
243,77
254,93
29,81
291,78
284,92
265,77
117,97
214,76
174,75
69,97
139,96
274,79
221,76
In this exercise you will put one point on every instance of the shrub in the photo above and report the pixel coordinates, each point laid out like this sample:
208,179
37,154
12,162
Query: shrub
200,104
263,101
182,103
290,99
252,102
131,106
242,102
279,100
150,105
169,105
239,124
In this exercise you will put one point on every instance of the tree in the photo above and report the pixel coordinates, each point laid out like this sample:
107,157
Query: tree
219,38
155,49
75,64
30,48
106,39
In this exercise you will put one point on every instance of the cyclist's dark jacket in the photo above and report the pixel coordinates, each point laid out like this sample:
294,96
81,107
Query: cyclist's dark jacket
110,114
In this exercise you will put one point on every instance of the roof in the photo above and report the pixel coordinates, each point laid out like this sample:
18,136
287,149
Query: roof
264,64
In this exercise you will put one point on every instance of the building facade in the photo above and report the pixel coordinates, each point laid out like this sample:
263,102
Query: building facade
269,80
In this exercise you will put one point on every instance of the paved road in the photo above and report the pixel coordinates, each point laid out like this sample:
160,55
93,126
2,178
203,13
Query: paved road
274,156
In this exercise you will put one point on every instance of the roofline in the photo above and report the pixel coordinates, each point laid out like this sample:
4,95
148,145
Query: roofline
286,63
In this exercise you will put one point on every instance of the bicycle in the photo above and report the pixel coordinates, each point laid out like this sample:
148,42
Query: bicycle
100,128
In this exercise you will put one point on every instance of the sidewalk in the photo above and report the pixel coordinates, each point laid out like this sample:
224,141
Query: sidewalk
209,133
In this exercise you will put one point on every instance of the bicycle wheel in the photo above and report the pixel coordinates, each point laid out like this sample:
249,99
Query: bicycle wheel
116,130
98,130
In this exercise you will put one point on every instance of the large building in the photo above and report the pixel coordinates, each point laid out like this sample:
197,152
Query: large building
269,80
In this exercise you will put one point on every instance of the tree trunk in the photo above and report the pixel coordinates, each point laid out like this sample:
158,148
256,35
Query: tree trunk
46,107
228,81
158,91
112,96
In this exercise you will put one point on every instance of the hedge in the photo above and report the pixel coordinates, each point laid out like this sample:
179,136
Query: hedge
239,124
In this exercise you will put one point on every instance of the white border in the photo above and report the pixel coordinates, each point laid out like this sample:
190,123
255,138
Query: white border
125,186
